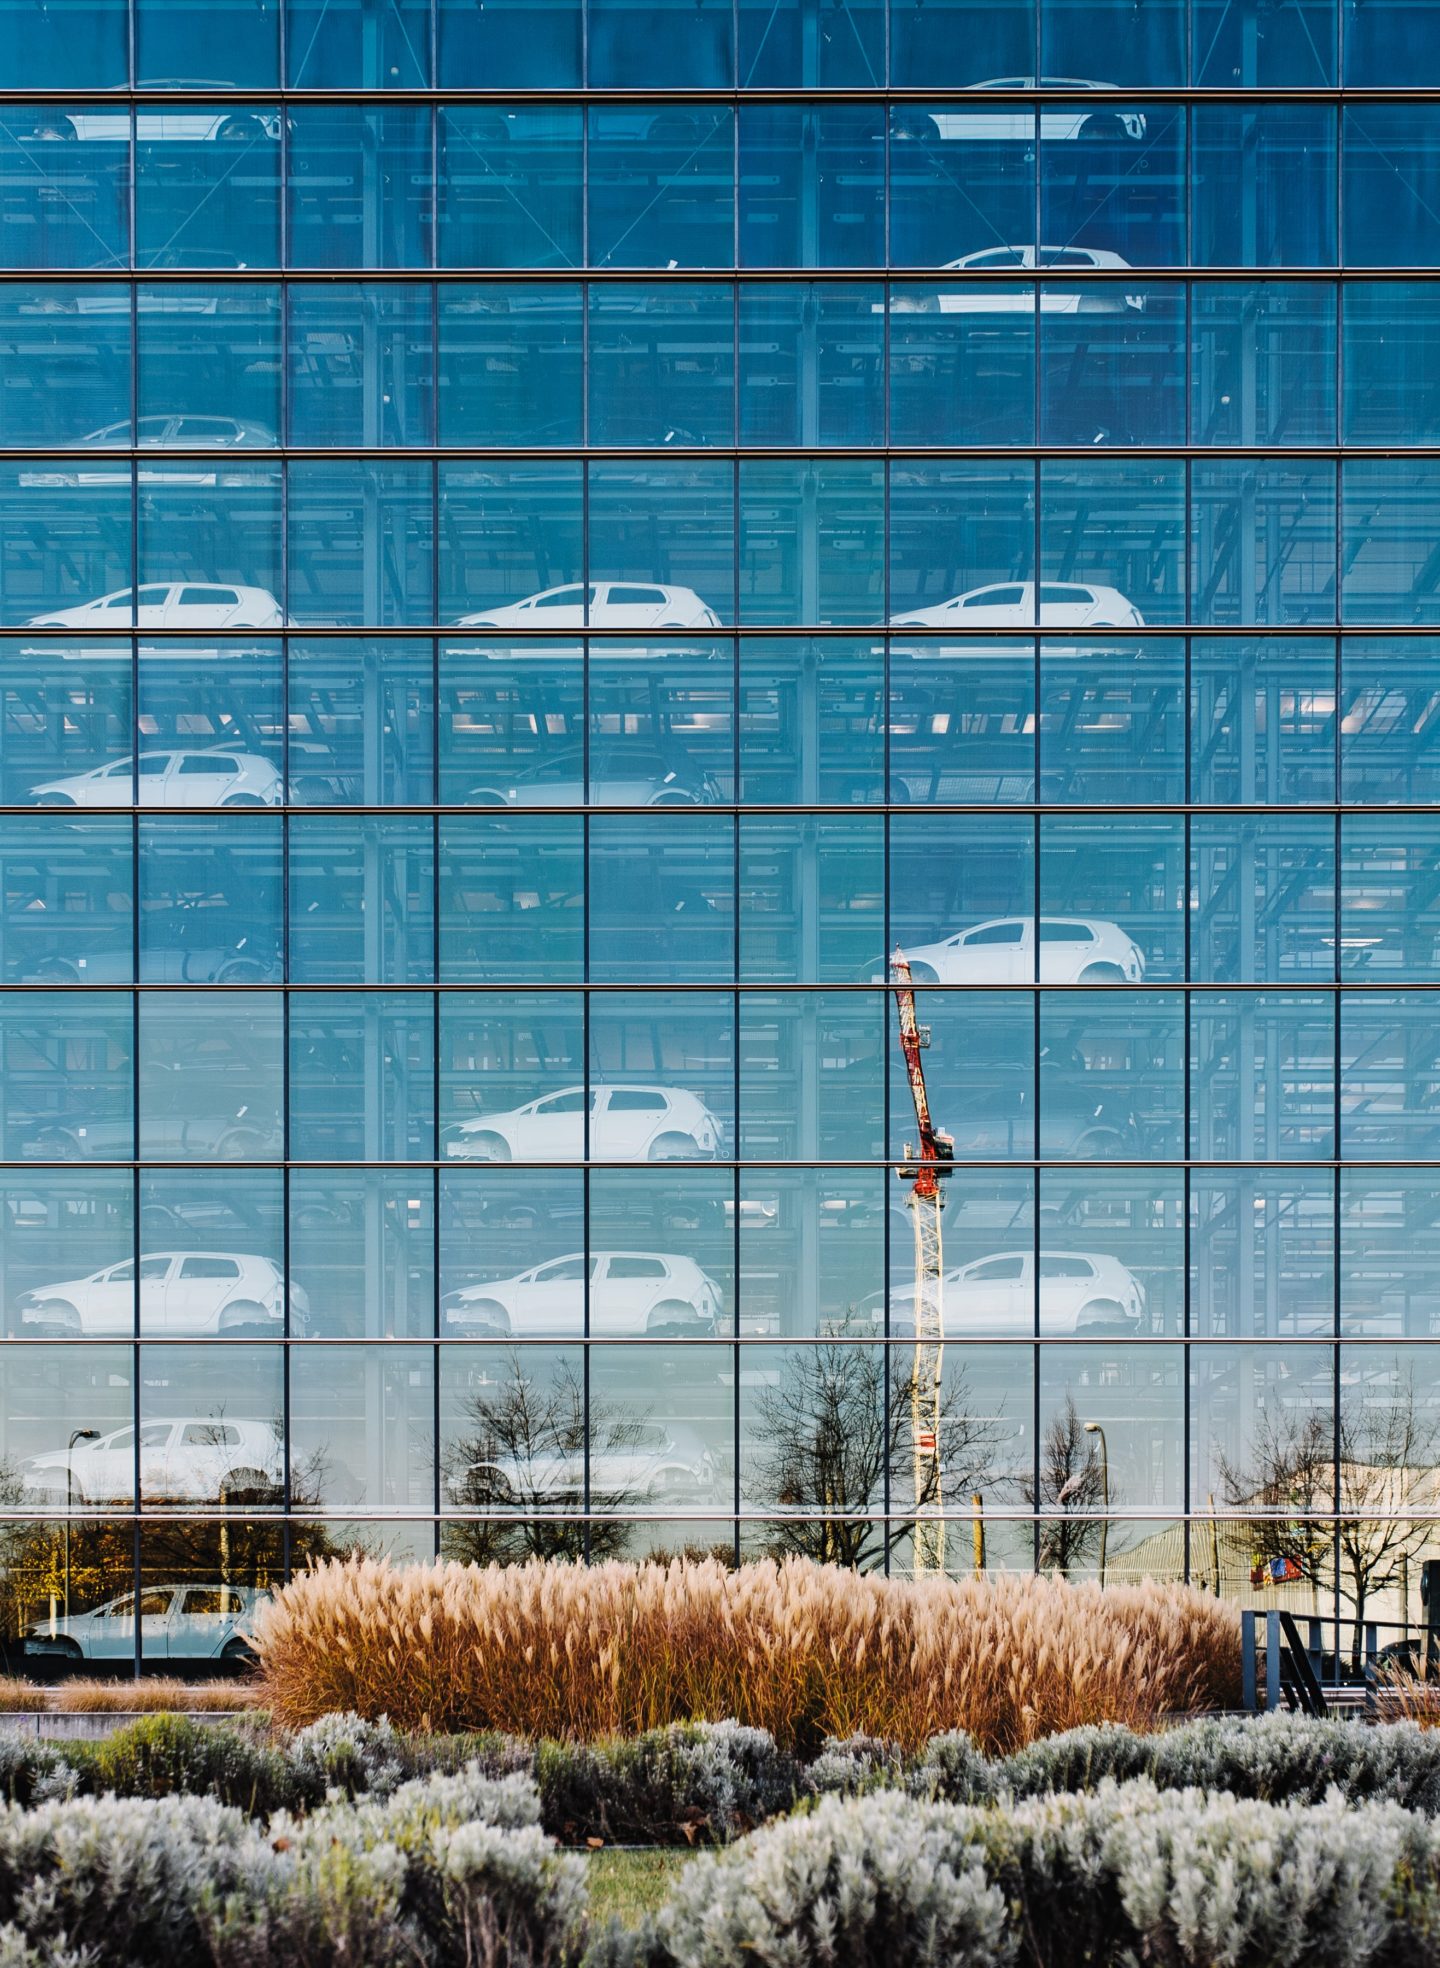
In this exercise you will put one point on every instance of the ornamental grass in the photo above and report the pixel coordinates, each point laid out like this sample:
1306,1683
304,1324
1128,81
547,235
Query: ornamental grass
803,1650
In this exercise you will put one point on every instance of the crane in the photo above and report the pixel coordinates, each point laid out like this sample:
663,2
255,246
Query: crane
923,1168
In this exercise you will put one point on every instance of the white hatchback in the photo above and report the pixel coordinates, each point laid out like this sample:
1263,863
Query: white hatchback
626,1124
170,778
177,1622
1073,950
185,1293
1080,1292
1011,605
1055,297
1058,122
631,1293
171,605
601,605
191,1459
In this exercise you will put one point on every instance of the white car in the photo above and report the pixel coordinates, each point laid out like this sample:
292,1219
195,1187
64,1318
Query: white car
185,123
1073,950
1011,605
603,605
1080,1292
1015,122
629,774
1092,297
177,1622
645,1463
171,605
175,433
631,1293
218,777
627,1124
191,1459
189,1293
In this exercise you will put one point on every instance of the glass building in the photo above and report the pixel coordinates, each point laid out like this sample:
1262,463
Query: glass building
539,541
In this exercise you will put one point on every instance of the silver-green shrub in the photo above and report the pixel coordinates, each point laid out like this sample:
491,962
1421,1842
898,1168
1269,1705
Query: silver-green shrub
705,1782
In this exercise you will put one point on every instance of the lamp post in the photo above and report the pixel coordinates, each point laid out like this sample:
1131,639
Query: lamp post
1094,1428
77,1435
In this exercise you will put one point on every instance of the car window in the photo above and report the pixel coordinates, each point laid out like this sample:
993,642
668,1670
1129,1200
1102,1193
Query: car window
195,763
1066,258
154,765
566,1270
208,597
1006,256
210,1601
123,1274
998,1270
572,1102
1066,932
193,427
1066,1267
997,598
210,1435
152,1268
116,601
636,1267
636,1100
155,1434
561,598
153,597
121,1608
1061,595
1005,932
637,597
123,1438
209,1267
155,1604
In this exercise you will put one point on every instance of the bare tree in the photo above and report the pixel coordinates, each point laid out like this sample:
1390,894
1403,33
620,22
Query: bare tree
832,1429
1070,1490
521,1464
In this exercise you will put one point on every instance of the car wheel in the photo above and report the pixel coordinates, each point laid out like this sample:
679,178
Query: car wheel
54,970
1100,1148
244,970
487,1313
55,129
52,1145
1101,973
487,1148
246,1321
248,1486
239,1146
673,1148
243,799
55,799
673,1319
238,129
65,1649
239,1653
1102,129
674,797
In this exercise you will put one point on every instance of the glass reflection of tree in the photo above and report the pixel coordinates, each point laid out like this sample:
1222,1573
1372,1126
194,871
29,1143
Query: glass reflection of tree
1070,1495
829,1431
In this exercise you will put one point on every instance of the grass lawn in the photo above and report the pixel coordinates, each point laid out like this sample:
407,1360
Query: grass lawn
631,1884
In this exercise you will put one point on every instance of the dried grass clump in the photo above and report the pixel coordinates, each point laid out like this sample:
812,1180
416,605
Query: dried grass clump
155,1693
20,1697
803,1650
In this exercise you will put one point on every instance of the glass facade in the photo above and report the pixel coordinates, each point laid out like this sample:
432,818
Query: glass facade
538,543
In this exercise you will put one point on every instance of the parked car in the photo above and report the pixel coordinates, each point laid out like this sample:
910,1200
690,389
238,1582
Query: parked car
1000,297
1073,950
1011,605
1085,1117
190,1459
177,1622
179,945
1091,119
216,777
189,1293
174,433
185,123
620,775
643,1463
241,1133
1081,1292
627,1124
604,605
171,605
652,1293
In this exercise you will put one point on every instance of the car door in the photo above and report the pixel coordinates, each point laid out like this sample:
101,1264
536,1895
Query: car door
153,606
623,1292
198,1287
200,778
158,1459
561,608
994,953
155,1274
206,1617
110,1633
1065,949
620,605
992,1296
194,606
626,1119
106,1473
107,1305
1065,606
551,1300
552,1129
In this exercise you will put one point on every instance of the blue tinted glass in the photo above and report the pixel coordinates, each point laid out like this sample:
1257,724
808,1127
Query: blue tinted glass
1389,1076
207,185
1390,745
1112,1081
830,211
210,1080
660,734
211,733
361,1078
1390,184
811,721
66,891
359,191
1112,357
1388,918
82,41
1112,178
963,353
360,901
1263,541
66,371
364,44
812,44
961,723
1114,43
212,540
1262,185
1112,900
360,367
1390,519
664,535
1111,543
662,897
665,44
1262,363
1262,899
510,897
510,44
661,186
812,542
956,528
339,1219
66,180
360,543
1392,345
510,363
1257,44
509,534
208,376
510,192
211,900
662,364
812,363
1263,720
949,42
962,181
68,712
1262,1073
179,44
1112,722
64,548
361,722
842,1111
67,1089
1389,45
512,717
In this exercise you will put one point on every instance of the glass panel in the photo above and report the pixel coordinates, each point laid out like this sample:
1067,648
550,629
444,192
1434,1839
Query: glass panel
510,44
1112,534
1388,731
1262,363
361,44
362,1076
1262,1076
67,1086
1258,44
1112,724
1262,185
665,44
359,187
511,180
207,182
662,364
360,901
811,721
1262,1252
210,1076
1390,184
962,181
1263,724
66,168
360,364
827,210
1126,45
1112,900
66,894
236,45
361,726
661,187
812,43
1389,569
1112,174
360,543
812,363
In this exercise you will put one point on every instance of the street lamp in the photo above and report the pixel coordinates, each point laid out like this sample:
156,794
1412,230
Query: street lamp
78,1435
1094,1428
